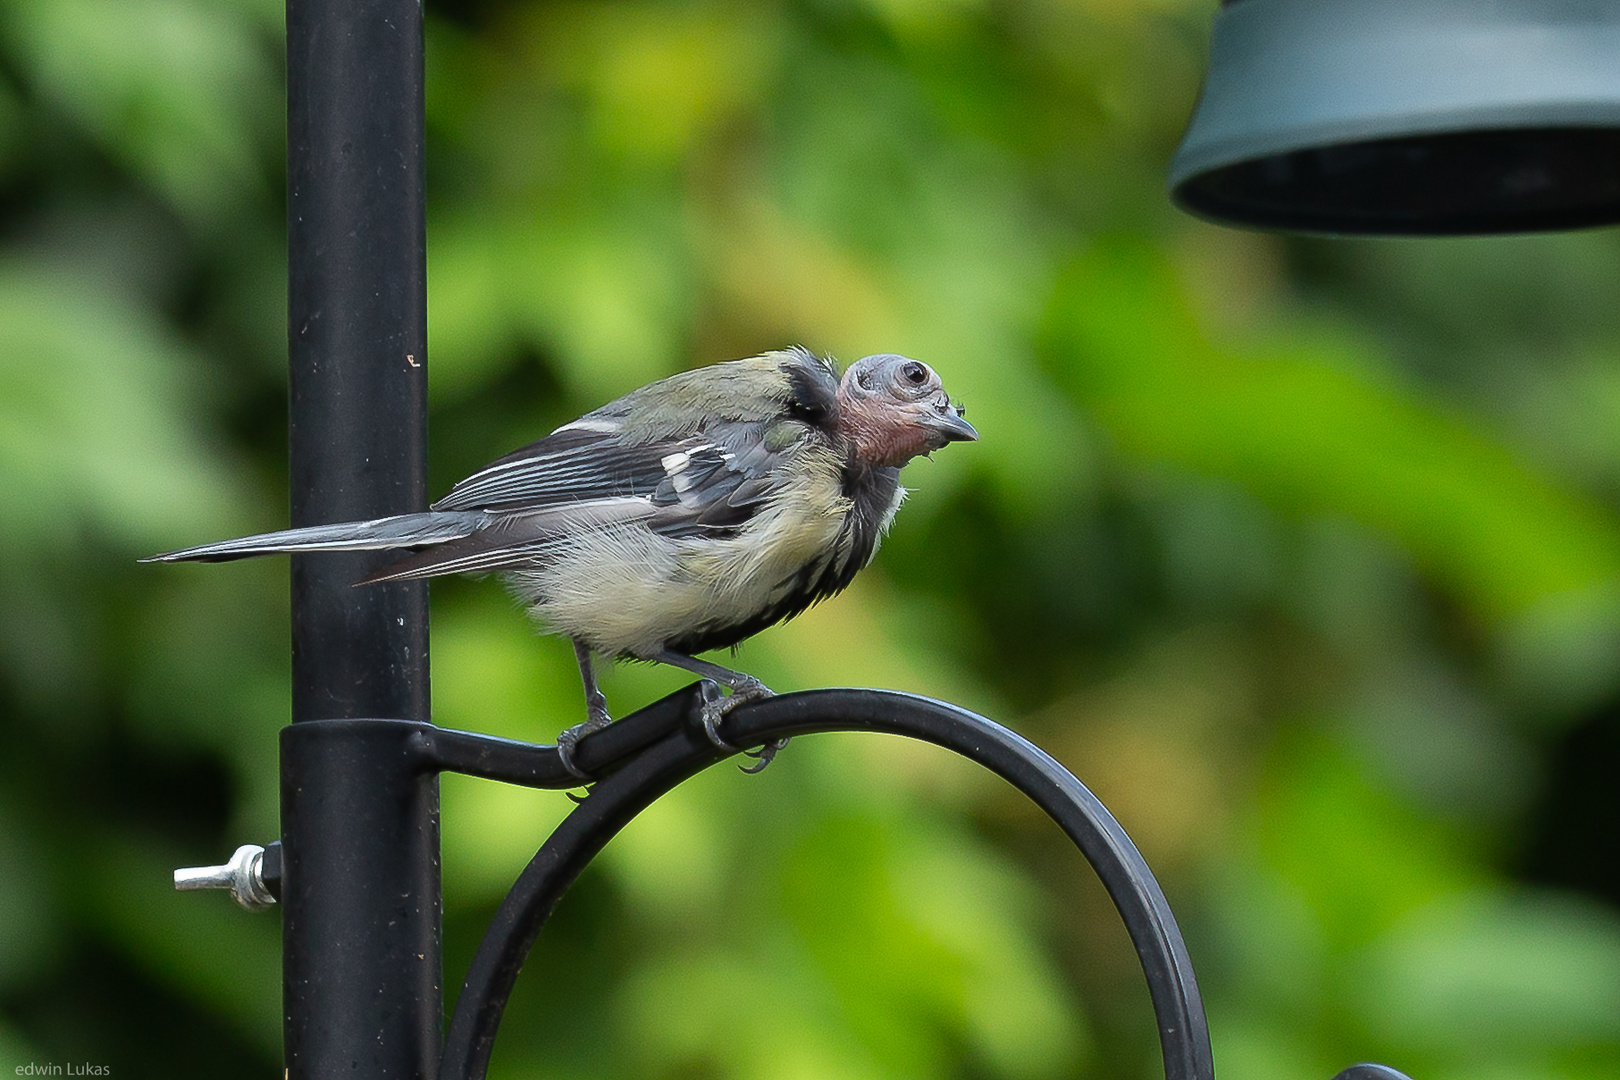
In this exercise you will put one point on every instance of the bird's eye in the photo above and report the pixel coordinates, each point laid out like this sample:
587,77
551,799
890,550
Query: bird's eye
914,373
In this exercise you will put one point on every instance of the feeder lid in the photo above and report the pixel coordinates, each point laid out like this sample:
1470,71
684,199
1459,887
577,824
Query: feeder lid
1415,117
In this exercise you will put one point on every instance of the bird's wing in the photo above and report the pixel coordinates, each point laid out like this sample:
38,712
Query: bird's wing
715,487
704,485
696,454
568,466
622,448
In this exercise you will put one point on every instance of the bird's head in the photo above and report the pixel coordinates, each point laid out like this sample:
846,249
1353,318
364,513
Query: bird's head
893,408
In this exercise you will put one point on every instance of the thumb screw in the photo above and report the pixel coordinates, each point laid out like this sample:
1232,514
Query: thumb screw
244,876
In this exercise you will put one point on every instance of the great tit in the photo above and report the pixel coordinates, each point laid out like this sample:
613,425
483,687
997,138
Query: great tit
682,517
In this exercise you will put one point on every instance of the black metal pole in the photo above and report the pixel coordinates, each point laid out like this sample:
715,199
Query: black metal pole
360,835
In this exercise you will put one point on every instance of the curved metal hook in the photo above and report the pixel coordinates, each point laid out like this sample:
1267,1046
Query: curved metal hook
644,777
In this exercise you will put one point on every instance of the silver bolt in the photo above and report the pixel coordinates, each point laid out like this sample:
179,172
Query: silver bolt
243,876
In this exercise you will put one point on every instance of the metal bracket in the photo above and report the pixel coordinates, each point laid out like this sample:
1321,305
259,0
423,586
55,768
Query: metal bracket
640,758
636,760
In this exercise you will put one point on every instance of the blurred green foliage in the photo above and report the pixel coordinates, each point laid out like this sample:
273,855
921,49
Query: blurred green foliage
1304,554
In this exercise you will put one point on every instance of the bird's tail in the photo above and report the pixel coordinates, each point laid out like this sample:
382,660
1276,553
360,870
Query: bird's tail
402,531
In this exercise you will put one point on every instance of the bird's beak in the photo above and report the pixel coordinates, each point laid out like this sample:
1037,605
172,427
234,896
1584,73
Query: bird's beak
951,426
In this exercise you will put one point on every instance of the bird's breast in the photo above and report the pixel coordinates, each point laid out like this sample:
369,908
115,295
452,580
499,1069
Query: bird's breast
627,590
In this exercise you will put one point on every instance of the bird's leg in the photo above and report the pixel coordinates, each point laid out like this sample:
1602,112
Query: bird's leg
744,688
596,712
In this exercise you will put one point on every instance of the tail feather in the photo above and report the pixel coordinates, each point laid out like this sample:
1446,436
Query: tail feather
381,534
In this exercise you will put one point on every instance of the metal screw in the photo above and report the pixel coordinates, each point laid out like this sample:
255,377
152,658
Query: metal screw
243,876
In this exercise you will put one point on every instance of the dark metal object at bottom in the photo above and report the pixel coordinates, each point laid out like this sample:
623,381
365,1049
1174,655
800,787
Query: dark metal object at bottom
361,915
647,754
616,799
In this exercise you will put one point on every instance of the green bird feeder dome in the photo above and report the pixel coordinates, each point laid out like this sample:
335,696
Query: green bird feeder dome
1414,117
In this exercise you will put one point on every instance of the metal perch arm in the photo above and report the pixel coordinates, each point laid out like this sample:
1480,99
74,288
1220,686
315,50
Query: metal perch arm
647,754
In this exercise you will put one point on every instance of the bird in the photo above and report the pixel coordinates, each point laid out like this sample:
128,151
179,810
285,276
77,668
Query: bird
678,519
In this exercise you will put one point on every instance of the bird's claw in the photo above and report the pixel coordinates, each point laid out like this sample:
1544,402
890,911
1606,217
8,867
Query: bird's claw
715,707
764,756
569,738
713,710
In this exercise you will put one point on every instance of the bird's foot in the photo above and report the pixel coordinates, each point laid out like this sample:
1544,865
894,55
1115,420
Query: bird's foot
596,719
763,756
745,689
